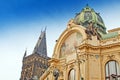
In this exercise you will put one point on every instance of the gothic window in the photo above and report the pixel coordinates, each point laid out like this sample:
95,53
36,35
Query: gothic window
71,75
112,70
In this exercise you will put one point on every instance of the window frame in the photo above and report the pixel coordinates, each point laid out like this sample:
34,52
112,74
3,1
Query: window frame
108,74
70,72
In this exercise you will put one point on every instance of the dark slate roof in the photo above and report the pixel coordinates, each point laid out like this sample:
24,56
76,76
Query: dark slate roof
41,47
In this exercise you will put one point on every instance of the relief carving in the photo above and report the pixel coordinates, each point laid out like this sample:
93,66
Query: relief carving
111,56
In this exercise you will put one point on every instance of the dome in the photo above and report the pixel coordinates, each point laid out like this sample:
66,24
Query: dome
88,15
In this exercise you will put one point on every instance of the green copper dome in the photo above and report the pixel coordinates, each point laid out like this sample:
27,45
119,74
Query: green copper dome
88,15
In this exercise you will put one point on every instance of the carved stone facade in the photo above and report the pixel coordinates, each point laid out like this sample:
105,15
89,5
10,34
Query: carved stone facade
94,57
34,65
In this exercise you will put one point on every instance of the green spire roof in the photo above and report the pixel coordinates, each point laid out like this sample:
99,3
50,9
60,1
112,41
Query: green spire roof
88,15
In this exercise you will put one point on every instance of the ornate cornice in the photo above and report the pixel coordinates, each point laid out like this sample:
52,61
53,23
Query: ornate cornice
115,29
111,45
86,45
89,46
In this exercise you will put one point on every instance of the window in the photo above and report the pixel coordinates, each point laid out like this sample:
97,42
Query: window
71,75
112,70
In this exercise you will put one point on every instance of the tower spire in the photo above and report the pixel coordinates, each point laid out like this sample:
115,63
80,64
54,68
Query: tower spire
25,53
45,28
41,47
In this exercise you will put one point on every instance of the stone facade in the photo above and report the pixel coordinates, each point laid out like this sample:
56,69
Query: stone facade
79,55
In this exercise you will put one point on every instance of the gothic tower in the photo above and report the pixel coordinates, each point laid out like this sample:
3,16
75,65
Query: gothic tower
35,64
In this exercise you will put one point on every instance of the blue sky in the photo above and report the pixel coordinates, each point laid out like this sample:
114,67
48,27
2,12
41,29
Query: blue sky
21,22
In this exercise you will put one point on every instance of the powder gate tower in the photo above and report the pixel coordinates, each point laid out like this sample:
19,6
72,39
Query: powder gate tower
35,64
85,50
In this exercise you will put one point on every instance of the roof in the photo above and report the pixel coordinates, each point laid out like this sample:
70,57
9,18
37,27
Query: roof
41,47
108,35
88,15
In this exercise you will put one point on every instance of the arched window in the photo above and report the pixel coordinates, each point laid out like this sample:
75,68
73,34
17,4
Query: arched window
71,75
112,69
